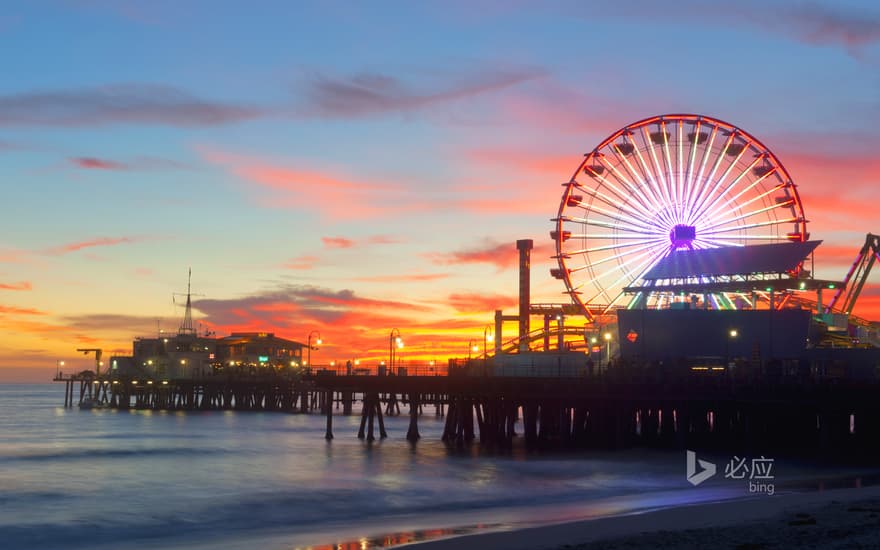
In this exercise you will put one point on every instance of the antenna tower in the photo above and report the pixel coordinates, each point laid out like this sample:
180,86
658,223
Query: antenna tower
187,326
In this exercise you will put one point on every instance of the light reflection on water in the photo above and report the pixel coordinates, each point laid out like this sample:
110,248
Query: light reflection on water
79,479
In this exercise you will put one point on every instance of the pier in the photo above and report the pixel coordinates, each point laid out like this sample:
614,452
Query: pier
614,409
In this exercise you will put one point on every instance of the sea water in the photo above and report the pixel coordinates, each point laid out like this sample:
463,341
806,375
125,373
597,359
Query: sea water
73,478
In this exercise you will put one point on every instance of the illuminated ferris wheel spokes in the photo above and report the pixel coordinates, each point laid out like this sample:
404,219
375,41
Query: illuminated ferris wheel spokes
665,184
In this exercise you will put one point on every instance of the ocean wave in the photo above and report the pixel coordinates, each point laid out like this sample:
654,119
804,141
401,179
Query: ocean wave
79,454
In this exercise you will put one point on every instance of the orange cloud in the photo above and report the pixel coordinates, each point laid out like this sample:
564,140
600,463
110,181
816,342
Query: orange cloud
481,303
503,256
22,285
10,310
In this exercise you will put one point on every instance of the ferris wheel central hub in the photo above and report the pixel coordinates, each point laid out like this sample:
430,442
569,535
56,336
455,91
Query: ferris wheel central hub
683,236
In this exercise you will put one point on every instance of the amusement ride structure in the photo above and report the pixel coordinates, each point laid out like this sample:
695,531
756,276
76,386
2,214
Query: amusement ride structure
684,212
664,184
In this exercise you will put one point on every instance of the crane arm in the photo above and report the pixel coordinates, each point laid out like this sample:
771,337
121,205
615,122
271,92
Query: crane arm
857,275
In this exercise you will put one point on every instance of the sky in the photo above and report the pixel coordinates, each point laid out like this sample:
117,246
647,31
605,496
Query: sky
354,167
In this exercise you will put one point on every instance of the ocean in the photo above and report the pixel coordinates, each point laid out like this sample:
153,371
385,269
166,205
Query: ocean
73,478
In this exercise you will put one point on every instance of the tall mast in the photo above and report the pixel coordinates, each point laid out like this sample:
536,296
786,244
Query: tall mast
187,326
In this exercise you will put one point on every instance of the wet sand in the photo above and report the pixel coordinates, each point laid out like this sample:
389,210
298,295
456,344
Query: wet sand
841,518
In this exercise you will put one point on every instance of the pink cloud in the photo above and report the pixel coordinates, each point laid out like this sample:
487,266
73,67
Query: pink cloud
558,166
334,195
101,241
503,256
344,242
337,242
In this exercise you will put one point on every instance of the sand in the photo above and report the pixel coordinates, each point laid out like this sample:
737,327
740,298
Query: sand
841,518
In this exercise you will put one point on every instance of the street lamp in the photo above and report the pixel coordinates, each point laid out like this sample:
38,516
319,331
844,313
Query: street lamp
58,365
317,342
394,341
607,337
732,336
488,336
472,348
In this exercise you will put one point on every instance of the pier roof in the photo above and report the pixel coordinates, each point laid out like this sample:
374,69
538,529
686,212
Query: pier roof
732,260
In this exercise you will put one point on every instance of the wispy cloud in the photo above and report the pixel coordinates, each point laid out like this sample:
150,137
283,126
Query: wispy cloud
301,263
92,243
404,278
384,239
92,163
337,242
502,255
850,27
118,104
373,93
138,164
345,242
11,310
306,188
22,285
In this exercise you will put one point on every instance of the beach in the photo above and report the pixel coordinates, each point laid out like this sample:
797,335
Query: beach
840,518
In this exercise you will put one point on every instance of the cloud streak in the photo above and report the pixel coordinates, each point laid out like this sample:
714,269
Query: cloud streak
337,242
92,243
11,310
404,278
849,27
332,194
373,93
118,104
301,263
19,286
501,255
92,163
140,163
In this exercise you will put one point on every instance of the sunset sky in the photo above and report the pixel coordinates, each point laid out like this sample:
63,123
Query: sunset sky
355,167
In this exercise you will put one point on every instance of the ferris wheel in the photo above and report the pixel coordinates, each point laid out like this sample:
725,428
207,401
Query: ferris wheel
667,183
